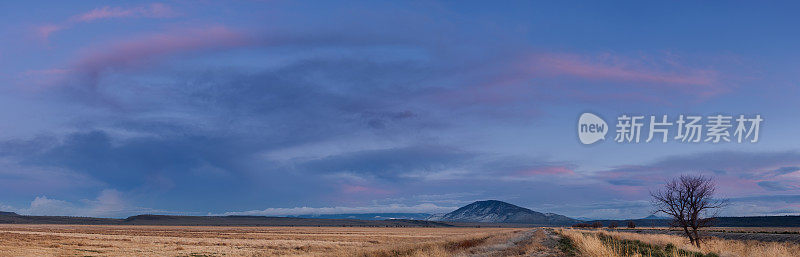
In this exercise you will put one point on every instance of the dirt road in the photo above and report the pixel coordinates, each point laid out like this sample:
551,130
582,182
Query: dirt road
536,242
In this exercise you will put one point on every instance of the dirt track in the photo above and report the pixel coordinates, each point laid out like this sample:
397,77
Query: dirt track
536,242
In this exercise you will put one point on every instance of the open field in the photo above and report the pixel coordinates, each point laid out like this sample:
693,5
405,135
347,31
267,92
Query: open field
766,234
770,230
604,243
122,240
113,240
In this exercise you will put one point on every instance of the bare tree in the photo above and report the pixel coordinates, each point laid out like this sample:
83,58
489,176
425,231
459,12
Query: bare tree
689,200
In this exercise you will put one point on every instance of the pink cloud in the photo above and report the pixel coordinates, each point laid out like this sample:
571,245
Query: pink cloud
44,31
521,79
138,50
156,10
622,69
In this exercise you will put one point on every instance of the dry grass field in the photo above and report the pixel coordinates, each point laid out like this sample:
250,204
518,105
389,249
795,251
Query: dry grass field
765,234
109,240
603,243
119,240
767,230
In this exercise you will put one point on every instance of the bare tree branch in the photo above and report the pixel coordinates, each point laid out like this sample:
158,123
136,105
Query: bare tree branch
689,200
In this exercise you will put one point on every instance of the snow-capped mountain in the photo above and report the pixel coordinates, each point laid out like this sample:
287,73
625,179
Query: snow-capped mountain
501,212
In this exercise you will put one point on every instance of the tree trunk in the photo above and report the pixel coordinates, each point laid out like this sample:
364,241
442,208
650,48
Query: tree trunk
696,238
689,235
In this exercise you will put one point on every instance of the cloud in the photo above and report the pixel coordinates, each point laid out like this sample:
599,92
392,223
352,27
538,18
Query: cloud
763,205
786,170
109,203
433,163
319,113
497,86
44,31
130,53
20,178
776,185
546,170
154,10
617,68
393,208
515,83
602,209
735,171
391,164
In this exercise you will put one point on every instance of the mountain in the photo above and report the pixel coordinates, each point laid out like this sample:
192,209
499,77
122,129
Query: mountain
654,217
501,212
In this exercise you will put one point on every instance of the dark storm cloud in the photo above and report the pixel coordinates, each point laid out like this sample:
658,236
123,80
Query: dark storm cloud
139,161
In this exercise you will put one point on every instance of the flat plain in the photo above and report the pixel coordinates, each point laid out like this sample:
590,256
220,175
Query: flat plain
146,240
765,234
118,240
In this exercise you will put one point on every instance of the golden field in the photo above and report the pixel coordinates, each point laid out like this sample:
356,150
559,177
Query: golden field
604,243
139,240
110,240
768,230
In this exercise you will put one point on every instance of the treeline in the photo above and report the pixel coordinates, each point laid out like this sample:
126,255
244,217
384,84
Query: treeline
597,224
754,221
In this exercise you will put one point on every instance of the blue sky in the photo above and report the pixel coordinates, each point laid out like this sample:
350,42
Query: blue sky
283,107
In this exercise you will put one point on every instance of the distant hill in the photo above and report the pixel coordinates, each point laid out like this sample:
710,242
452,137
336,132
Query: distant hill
271,221
479,213
368,216
174,220
494,211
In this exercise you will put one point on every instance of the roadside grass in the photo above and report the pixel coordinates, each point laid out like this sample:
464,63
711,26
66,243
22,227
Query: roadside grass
436,248
600,244
616,243
566,246
627,247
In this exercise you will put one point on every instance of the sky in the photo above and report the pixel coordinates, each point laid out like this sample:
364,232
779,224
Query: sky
111,109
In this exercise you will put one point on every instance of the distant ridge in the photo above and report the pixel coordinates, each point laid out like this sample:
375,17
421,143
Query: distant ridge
499,213
494,211
654,217
175,220
367,216
753,221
